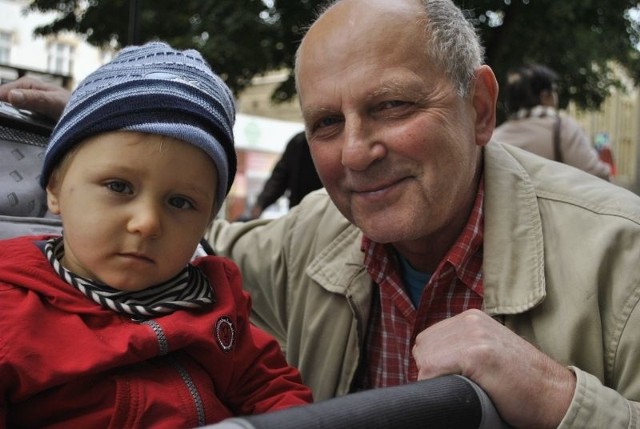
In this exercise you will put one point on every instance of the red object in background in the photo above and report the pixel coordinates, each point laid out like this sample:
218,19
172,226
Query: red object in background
606,155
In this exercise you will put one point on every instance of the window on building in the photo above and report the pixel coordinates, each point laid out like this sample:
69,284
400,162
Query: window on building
60,58
5,46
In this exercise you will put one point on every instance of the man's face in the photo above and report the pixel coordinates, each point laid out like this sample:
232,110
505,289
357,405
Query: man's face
394,144
134,207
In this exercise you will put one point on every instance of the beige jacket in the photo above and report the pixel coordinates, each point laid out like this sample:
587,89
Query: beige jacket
535,134
561,265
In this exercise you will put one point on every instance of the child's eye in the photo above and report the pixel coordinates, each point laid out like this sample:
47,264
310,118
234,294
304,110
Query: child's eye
119,187
181,203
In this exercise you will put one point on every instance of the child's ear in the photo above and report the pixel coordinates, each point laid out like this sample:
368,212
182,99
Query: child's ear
53,191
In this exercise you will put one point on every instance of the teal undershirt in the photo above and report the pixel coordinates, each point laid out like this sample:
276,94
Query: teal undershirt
414,280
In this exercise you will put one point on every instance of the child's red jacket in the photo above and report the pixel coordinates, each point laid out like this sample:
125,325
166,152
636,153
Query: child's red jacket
65,361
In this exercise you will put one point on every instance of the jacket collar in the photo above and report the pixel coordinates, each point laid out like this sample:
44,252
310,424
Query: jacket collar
513,264
340,262
339,267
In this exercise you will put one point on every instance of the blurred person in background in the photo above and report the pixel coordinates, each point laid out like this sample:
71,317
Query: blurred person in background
535,124
294,172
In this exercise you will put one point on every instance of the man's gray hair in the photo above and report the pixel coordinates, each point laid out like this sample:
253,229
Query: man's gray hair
453,43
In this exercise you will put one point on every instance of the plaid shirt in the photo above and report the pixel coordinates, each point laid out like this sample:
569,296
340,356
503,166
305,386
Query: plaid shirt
454,287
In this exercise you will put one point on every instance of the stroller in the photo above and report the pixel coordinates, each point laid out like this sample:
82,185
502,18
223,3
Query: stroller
23,203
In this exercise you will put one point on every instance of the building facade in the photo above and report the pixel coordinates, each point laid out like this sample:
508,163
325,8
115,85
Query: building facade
50,58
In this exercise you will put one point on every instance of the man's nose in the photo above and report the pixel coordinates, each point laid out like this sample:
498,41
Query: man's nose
361,147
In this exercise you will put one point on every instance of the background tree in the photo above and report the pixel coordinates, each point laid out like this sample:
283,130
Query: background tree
245,38
239,38
581,41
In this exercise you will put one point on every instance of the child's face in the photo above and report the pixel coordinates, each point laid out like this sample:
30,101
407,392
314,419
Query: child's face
134,207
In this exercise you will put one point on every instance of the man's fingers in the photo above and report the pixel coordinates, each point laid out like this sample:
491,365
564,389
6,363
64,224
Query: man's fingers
17,98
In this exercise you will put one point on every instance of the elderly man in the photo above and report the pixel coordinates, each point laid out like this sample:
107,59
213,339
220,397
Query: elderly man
433,250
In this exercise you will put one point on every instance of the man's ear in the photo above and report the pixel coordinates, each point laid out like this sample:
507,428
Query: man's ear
53,191
485,99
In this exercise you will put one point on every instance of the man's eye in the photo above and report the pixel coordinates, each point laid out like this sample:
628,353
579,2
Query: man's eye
118,187
181,203
327,122
391,104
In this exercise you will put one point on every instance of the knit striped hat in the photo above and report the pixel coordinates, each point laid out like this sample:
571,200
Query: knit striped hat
152,89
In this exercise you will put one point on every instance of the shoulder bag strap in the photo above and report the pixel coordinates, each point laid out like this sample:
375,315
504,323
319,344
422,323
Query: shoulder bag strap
557,153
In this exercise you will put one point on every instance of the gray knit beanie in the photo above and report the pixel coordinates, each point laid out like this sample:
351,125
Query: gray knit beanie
152,89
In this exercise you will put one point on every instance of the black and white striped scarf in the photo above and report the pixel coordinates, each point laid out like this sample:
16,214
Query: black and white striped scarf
187,290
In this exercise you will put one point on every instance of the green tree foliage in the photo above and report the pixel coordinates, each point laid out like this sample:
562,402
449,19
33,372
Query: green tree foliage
245,38
578,39
239,38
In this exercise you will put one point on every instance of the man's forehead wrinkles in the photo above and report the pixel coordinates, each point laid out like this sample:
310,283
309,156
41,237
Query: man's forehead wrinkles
391,87
311,114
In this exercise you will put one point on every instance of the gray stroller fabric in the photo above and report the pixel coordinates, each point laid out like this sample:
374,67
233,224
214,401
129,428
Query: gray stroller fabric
441,403
23,203
21,154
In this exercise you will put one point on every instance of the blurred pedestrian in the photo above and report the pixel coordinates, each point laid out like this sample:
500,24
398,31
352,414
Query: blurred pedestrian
536,125
294,172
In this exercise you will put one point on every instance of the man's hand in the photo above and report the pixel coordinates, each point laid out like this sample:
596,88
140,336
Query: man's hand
35,95
528,388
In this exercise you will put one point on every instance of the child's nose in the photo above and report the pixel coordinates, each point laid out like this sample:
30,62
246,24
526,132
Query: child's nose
146,220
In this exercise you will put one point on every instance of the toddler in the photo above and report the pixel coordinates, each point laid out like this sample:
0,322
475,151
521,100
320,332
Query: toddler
113,323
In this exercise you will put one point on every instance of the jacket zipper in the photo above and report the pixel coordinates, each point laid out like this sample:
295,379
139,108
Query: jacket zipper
163,345
197,400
